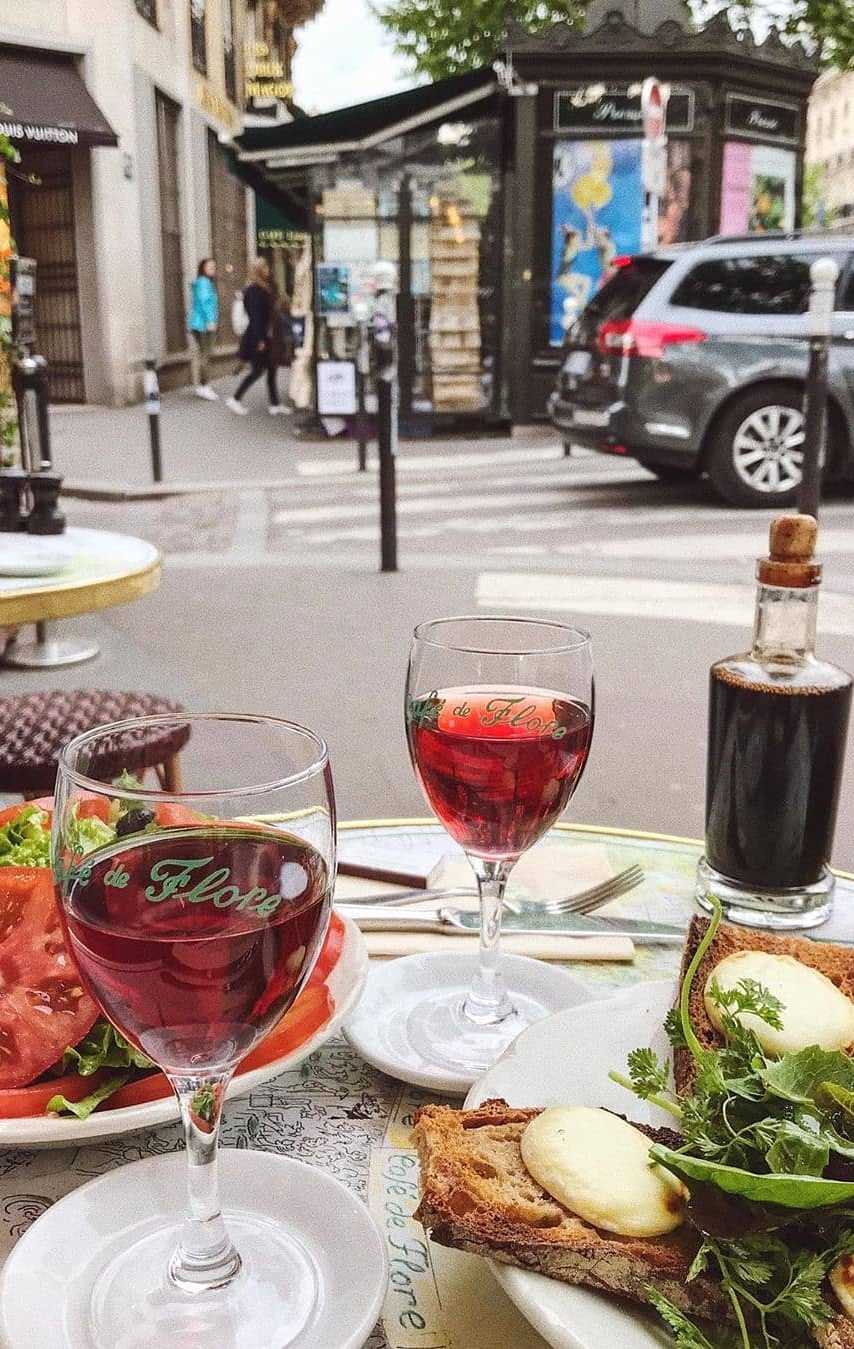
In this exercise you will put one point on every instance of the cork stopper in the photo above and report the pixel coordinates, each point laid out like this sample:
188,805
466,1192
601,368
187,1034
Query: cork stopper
791,561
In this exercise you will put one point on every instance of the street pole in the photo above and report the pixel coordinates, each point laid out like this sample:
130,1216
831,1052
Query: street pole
654,99
363,367
824,275
385,353
151,385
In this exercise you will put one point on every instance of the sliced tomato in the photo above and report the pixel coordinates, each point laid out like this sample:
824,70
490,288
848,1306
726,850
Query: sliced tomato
43,1005
152,1088
17,1102
172,815
330,951
89,806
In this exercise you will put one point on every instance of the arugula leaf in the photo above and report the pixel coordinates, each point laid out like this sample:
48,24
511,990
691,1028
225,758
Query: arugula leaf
60,1105
25,840
798,1077
792,1192
103,1047
797,1151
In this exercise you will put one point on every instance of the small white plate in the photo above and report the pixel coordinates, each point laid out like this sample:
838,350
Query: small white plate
565,1060
28,557
345,982
378,1028
47,1281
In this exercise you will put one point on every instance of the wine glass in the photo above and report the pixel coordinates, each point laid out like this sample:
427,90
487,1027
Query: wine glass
195,918
499,719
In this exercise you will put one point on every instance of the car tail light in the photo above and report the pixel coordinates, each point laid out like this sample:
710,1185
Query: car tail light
638,337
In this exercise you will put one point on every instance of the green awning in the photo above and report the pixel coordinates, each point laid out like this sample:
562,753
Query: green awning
273,226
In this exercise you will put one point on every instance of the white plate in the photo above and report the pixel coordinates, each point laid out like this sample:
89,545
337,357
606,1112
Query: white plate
346,981
378,1028
48,1278
28,557
565,1060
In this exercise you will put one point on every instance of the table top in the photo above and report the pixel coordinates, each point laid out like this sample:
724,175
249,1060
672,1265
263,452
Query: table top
337,1113
105,569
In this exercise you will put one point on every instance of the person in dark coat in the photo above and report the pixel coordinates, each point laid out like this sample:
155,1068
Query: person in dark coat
260,343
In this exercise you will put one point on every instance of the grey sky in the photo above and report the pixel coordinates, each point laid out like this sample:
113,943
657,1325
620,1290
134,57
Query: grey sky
345,57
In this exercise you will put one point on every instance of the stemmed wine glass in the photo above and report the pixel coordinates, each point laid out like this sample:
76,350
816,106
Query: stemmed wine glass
195,918
499,719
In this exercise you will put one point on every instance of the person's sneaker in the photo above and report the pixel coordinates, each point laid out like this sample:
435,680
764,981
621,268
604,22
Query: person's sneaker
276,410
234,406
205,391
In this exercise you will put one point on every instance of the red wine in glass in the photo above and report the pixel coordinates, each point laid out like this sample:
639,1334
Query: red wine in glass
196,941
498,765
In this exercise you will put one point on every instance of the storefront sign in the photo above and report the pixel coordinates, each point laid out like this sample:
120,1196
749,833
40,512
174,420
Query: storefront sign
336,388
266,77
761,120
216,107
52,135
599,107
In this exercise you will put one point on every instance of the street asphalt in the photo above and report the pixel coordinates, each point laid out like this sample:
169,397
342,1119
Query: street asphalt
271,598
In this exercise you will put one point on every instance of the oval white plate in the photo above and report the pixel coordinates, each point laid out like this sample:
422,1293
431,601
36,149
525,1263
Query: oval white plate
29,557
346,981
565,1060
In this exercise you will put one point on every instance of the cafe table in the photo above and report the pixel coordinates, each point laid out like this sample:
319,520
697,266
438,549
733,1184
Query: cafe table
102,569
337,1113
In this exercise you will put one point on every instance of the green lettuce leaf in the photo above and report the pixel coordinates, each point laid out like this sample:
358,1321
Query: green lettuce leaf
793,1192
800,1077
103,1047
840,1097
25,841
797,1151
83,836
60,1105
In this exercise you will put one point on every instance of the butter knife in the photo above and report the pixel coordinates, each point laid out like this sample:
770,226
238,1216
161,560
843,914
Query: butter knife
452,921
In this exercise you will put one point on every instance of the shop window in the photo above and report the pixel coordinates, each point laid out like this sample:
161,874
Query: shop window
147,9
778,284
228,230
168,119
199,35
228,53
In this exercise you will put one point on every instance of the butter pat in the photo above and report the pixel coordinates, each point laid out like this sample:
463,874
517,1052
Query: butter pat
814,1011
842,1283
598,1167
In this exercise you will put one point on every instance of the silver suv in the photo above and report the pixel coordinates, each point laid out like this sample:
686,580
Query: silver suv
692,360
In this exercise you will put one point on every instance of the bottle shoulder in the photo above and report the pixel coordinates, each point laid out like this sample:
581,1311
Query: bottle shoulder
809,673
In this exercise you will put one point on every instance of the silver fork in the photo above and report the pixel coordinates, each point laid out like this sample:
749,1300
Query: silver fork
588,900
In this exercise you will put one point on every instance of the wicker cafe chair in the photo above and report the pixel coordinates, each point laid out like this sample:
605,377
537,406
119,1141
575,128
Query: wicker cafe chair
34,727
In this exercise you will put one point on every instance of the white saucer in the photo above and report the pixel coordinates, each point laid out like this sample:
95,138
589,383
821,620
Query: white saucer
31,557
378,1028
47,1281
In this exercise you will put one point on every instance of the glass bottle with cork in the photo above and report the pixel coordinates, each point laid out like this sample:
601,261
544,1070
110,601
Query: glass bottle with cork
778,721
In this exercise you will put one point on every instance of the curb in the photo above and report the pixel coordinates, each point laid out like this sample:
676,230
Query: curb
107,491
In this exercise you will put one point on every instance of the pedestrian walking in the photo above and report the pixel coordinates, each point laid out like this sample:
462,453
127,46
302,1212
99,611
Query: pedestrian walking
260,345
204,321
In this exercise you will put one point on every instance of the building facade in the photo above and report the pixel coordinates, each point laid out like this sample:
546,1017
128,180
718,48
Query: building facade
830,144
120,111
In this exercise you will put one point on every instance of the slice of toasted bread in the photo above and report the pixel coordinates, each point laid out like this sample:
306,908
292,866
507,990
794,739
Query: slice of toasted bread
478,1196
835,962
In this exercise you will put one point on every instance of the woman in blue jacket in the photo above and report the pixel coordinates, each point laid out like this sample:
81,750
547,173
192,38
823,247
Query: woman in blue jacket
204,321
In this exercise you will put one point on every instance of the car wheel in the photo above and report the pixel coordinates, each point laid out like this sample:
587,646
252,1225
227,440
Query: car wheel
670,472
756,451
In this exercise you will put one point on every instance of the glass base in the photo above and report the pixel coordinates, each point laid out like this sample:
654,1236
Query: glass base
268,1302
784,910
444,1035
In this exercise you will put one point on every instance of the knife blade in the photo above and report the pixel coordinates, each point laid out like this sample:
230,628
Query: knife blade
450,921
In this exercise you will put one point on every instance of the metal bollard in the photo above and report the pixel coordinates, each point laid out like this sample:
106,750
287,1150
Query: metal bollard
363,368
824,275
151,385
385,343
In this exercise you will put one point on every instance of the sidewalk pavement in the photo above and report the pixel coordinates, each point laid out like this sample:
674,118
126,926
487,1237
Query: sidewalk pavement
104,453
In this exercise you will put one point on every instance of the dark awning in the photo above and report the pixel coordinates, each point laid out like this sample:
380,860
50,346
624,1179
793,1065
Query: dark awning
365,125
43,101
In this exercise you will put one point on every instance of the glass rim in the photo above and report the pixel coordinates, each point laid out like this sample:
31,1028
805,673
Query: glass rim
581,636
66,768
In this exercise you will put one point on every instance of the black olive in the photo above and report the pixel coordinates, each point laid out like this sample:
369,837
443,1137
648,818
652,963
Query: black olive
133,822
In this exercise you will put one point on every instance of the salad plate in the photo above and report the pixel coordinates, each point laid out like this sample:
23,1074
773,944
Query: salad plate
344,982
580,1046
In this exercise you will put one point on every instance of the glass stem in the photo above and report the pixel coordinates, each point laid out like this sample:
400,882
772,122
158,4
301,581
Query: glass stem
204,1258
487,1003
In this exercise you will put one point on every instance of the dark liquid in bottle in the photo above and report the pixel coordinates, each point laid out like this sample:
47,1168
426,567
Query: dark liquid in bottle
774,771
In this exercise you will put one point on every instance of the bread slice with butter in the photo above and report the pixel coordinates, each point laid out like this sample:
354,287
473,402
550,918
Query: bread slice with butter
834,963
477,1195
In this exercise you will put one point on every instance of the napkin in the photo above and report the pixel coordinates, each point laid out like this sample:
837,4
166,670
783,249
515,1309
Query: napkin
547,872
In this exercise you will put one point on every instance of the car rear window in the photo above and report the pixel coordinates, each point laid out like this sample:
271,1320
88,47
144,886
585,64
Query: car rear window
620,296
764,284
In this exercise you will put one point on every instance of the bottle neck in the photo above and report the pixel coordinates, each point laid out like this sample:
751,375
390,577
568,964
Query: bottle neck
784,628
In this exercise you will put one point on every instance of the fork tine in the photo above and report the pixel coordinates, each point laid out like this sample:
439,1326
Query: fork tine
610,889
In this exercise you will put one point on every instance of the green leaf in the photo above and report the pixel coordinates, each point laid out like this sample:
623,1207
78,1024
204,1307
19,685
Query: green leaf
84,836
748,997
103,1047
799,1077
842,1097
673,1028
793,1192
25,840
60,1105
797,1151
647,1072
685,1333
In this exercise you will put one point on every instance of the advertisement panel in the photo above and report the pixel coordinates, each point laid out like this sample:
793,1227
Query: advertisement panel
597,204
757,188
